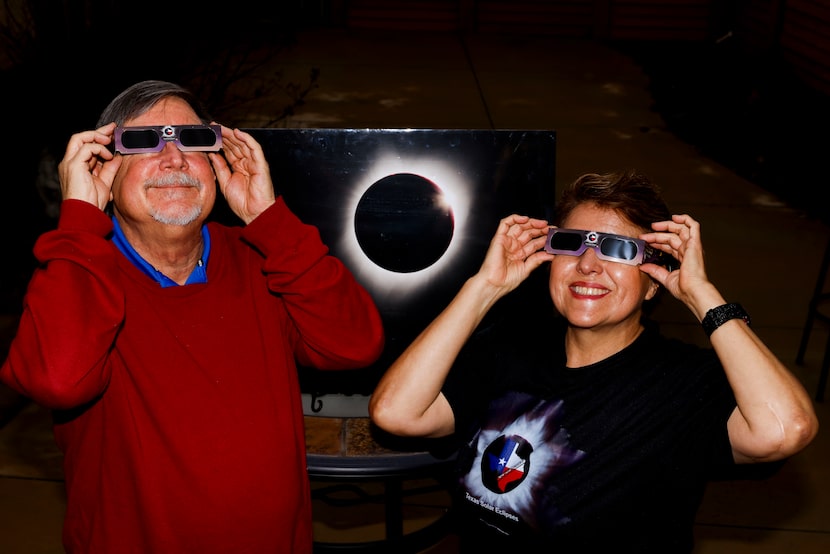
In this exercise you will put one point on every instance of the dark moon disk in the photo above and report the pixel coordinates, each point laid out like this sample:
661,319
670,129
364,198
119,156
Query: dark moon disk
403,224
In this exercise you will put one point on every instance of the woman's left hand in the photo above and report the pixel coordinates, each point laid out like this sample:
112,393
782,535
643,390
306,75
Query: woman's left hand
679,237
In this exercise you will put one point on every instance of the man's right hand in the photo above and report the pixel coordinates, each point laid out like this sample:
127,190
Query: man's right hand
88,167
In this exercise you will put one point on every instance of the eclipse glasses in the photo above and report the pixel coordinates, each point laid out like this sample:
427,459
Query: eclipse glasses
607,246
187,138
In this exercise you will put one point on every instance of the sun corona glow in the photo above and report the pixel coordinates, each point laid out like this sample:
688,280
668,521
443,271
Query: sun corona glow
455,194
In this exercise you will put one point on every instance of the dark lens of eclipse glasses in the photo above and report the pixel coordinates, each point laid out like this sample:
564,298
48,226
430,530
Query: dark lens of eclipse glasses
566,241
618,248
139,138
197,137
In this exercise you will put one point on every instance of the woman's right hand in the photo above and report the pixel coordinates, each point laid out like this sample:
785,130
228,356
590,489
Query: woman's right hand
516,249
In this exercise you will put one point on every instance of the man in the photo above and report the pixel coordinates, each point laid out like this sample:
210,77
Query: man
167,346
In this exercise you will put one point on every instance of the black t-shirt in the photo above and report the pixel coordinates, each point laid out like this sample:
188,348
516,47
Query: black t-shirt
614,456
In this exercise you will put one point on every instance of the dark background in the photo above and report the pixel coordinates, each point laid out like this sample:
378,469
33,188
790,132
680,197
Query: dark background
744,81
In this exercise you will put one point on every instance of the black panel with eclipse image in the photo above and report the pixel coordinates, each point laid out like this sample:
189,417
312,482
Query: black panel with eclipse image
410,212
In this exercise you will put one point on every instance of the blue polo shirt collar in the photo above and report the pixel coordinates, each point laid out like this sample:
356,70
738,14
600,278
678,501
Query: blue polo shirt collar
199,274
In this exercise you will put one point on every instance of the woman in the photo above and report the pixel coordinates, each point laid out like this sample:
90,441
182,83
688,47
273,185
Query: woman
591,431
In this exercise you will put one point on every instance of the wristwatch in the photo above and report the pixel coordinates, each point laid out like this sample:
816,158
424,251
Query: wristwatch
716,317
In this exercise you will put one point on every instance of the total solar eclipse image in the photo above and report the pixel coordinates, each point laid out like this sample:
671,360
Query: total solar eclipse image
403,223
410,213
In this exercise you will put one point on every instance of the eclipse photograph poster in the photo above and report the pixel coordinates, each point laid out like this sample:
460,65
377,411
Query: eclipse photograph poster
410,212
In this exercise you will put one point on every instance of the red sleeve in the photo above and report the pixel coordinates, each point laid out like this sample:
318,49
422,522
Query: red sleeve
337,320
72,311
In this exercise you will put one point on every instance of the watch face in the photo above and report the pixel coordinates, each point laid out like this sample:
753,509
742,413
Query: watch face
409,211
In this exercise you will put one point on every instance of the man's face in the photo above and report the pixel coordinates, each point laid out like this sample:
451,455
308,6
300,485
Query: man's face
169,187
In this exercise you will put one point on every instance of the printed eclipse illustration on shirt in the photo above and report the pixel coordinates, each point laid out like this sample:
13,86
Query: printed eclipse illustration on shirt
520,446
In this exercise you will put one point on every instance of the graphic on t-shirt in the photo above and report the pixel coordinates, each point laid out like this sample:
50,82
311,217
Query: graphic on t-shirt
504,464
521,445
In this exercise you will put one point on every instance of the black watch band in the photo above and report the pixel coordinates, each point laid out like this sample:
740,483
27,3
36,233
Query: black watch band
718,316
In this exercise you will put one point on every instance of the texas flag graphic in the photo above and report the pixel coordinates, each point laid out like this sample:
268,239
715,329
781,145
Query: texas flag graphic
506,460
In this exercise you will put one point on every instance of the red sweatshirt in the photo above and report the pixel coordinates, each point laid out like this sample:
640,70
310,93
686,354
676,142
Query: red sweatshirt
178,409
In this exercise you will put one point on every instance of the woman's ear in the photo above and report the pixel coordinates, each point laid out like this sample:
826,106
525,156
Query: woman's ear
653,288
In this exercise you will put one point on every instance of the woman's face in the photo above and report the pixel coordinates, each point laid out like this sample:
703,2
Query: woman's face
591,292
